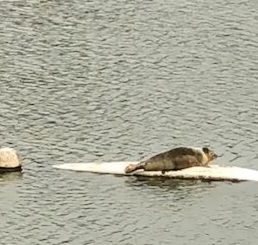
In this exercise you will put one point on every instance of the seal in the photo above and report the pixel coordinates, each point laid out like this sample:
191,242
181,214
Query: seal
175,159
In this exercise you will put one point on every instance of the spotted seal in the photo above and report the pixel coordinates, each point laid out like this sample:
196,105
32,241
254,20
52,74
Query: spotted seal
175,159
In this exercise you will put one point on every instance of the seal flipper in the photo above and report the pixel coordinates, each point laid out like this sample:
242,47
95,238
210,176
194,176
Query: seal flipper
133,167
168,170
130,168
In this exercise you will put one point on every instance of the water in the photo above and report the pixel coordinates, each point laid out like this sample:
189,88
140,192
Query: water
117,81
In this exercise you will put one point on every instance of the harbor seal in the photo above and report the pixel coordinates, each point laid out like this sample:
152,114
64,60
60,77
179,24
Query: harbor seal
175,159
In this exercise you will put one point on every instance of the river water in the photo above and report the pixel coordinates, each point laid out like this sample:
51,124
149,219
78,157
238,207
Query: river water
122,80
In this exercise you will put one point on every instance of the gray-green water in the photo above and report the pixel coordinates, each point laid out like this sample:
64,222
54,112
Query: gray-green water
120,80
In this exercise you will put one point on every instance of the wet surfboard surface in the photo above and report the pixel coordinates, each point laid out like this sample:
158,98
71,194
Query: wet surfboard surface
211,173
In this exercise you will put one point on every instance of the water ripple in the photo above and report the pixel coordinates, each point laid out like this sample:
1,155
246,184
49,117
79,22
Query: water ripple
88,81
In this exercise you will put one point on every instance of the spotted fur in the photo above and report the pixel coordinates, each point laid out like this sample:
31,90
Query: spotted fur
175,159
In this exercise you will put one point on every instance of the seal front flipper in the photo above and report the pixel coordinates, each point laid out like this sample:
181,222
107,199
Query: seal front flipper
168,170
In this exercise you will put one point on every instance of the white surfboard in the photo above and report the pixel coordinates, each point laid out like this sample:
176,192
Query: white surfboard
212,173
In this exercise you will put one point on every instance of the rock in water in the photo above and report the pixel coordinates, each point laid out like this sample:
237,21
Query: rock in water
10,160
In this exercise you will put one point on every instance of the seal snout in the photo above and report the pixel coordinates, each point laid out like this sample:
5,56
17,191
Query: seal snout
215,155
210,154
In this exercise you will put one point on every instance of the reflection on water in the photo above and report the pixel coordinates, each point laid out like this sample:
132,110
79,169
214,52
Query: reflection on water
85,81
164,187
10,177
167,184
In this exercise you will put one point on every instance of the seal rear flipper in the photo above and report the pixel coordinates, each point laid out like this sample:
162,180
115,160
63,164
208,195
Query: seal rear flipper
130,168
133,167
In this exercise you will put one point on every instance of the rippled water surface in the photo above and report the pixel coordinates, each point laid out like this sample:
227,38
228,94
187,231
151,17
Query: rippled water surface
121,80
